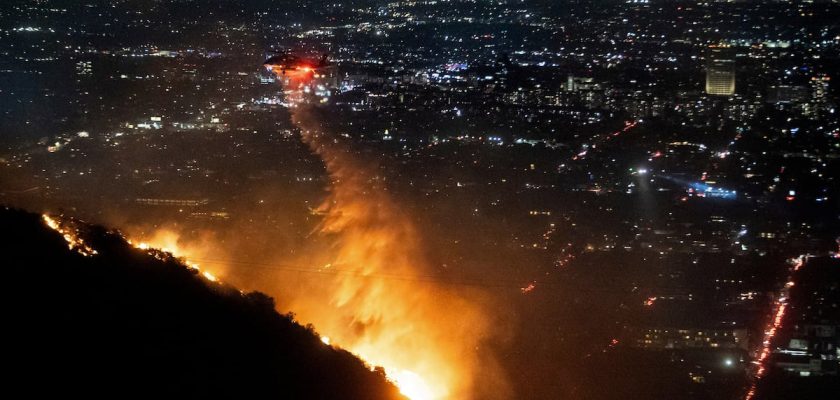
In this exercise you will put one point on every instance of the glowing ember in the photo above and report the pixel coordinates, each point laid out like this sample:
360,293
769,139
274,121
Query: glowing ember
71,236
209,276
167,242
412,385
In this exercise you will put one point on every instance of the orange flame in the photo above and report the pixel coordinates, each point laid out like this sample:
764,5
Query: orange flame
427,337
168,241
424,336
70,235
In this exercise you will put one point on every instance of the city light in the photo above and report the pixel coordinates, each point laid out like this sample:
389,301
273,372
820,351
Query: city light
773,326
466,200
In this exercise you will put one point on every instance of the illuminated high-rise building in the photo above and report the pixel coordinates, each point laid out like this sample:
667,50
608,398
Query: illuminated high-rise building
819,95
720,71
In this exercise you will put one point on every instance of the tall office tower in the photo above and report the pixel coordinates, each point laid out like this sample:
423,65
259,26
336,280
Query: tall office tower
720,71
819,95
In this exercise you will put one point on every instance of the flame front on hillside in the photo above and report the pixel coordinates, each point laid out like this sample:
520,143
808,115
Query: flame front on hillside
424,335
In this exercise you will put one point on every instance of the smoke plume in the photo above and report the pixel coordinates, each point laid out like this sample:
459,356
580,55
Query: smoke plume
426,335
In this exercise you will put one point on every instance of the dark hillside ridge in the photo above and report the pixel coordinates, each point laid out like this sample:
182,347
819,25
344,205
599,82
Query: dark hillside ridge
123,323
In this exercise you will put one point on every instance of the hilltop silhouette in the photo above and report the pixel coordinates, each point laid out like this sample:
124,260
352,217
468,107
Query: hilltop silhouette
123,323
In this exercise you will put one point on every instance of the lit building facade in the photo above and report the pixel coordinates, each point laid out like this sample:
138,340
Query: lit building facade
720,72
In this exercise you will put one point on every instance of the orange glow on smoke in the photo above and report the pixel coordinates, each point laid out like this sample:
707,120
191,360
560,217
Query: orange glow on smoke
168,241
425,336
70,233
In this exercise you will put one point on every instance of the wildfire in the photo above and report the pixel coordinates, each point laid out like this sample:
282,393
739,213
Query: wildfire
210,277
166,242
75,242
71,236
403,346
424,336
412,385
409,383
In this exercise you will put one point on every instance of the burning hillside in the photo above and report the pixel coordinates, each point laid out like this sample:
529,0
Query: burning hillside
89,313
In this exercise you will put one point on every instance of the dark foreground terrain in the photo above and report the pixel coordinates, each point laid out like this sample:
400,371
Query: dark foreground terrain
124,323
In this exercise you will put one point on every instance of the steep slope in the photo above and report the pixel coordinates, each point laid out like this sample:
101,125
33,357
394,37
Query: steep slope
125,323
